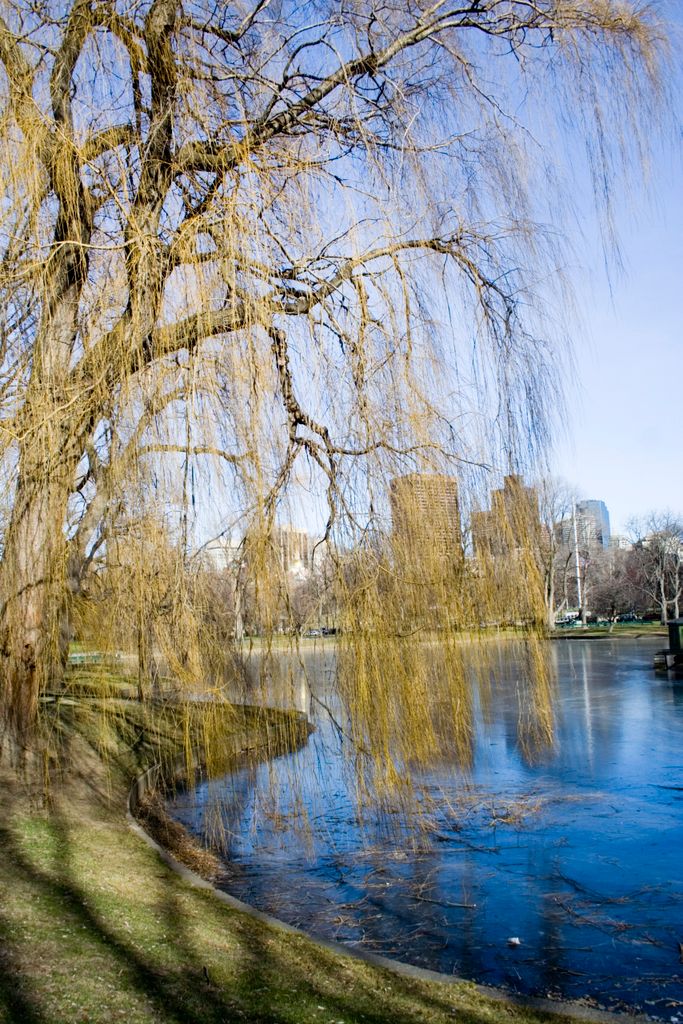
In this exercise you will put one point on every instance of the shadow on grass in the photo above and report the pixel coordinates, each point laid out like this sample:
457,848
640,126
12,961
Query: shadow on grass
17,1002
214,965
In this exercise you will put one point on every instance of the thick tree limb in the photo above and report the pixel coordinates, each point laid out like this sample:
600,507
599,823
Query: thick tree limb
109,139
78,26
20,75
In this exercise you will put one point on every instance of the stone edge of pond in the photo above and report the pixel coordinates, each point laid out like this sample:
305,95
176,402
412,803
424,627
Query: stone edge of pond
148,781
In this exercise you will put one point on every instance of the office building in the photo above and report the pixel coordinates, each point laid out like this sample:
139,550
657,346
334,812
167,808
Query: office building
592,523
587,527
293,550
223,553
425,515
512,523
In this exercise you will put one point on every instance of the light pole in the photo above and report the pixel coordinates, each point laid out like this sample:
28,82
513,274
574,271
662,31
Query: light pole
577,560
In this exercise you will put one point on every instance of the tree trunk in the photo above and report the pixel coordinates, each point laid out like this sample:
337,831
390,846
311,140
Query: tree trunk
584,603
53,422
663,601
237,605
148,668
550,600
32,577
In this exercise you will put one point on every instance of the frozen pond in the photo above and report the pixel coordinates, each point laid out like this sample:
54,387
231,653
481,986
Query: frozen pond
574,849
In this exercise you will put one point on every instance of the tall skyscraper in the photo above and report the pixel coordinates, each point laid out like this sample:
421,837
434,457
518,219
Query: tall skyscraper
294,549
425,515
592,523
513,521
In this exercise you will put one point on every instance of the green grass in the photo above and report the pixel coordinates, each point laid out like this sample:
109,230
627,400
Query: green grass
624,630
95,928
619,630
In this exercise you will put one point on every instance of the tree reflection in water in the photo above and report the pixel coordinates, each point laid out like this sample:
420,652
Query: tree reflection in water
573,845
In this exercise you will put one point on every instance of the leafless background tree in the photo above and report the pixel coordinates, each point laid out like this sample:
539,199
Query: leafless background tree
657,561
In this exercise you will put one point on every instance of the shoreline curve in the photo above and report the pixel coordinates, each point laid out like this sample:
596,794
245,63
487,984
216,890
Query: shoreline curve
147,781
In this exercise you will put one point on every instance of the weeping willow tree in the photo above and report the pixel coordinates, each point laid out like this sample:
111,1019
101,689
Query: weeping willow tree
262,246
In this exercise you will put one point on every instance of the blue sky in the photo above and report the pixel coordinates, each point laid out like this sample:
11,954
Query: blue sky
623,441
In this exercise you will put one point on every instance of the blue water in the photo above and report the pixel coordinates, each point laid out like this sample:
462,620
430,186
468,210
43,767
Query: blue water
574,848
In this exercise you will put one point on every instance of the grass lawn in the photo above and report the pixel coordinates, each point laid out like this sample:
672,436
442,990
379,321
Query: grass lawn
620,630
95,928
